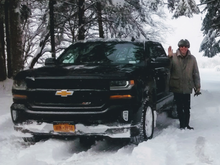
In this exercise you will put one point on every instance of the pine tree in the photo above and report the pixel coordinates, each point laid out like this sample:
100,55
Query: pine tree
183,8
211,28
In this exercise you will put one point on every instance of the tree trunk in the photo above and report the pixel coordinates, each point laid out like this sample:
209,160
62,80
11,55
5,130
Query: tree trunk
81,35
40,50
14,37
8,40
99,13
51,3
2,46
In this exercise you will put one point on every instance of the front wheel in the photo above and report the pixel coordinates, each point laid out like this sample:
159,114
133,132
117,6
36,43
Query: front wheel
146,127
34,139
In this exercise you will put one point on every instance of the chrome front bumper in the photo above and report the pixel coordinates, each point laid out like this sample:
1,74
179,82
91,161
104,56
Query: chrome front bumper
46,129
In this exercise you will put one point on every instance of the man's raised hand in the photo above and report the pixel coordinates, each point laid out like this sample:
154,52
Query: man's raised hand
170,51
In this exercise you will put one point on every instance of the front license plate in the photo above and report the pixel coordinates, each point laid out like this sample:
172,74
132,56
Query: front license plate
64,127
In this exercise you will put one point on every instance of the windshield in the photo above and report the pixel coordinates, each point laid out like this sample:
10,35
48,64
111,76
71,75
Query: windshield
103,52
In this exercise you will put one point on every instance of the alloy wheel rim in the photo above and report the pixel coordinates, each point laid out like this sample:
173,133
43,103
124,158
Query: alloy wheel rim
148,122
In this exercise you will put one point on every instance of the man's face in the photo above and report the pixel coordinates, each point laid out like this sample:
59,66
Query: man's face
183,50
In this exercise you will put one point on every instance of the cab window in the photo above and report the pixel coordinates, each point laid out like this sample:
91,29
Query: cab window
156,50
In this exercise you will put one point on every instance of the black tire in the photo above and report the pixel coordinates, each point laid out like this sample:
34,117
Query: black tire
146,128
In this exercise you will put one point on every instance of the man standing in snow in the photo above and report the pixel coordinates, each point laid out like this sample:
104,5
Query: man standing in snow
184,77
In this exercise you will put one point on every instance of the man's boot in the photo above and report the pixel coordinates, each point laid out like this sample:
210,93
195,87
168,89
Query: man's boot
182,121
187,121
188,127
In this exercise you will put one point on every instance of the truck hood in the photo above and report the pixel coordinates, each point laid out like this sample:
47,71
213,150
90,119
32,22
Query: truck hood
85,70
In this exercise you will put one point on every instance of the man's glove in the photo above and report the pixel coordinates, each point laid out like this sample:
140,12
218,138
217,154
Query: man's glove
197,92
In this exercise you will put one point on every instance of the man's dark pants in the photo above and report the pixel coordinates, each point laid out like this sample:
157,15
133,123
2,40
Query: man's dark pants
183,108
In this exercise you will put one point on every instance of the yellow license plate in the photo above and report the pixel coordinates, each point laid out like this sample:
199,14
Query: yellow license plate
64,128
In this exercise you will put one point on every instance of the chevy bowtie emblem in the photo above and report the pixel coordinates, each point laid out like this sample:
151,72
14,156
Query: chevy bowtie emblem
64,93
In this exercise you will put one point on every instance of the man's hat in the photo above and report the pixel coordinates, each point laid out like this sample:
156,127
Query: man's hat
183,42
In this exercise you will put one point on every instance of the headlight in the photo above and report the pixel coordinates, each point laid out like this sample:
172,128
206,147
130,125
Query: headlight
19,85
121,84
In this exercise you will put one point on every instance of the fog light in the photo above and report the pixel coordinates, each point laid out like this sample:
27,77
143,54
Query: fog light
19,106
125,115
14,115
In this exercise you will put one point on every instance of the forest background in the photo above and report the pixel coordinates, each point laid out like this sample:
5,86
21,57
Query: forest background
32,30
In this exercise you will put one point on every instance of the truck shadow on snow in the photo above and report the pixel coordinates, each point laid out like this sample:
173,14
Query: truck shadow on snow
106,145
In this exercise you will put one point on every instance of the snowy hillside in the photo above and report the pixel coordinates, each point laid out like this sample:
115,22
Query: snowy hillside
169,146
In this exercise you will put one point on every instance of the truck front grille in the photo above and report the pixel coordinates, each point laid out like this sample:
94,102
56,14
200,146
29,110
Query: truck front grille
84,93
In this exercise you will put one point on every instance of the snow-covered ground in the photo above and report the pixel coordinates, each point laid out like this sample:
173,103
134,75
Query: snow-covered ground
169,146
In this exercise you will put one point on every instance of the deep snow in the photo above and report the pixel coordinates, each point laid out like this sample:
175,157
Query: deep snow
169,146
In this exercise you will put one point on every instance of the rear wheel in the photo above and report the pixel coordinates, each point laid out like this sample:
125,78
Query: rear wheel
173,112
146,128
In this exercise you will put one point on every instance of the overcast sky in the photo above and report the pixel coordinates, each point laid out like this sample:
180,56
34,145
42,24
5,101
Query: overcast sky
186,28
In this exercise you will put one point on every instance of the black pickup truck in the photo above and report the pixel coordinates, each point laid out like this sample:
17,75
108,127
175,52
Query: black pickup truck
98,88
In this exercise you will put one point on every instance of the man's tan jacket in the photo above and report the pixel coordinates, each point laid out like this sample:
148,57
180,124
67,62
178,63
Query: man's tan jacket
184,73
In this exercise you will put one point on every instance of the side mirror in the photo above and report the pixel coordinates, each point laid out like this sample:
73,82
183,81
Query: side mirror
160,61
164,60
50,61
